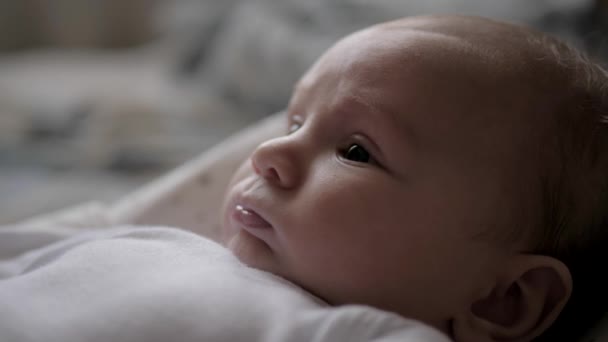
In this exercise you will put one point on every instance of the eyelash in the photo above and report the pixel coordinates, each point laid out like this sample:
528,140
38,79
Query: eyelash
293,127
296,123
369,159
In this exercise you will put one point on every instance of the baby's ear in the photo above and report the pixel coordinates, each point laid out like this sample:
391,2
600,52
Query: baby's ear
525,300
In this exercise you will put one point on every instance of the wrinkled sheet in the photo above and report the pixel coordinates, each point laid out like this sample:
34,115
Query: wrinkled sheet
164,284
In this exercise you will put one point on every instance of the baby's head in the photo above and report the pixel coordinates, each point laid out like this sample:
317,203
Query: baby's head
449,169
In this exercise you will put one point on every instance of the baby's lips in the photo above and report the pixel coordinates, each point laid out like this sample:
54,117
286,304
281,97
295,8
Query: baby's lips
250,218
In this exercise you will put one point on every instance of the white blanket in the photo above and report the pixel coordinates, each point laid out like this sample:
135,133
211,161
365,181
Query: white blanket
164,284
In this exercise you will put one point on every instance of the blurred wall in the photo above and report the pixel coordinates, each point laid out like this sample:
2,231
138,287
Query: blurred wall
73,23
98,97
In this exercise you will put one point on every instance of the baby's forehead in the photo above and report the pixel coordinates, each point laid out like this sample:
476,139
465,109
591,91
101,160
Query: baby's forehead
444,70
394,63
388,56
447,41
485,62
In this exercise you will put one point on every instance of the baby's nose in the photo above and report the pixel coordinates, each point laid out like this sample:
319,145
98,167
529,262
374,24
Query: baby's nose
276,161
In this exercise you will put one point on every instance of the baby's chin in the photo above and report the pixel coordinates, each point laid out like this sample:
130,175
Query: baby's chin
252,251
227,232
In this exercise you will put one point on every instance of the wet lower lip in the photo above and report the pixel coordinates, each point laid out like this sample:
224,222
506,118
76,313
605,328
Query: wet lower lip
250,218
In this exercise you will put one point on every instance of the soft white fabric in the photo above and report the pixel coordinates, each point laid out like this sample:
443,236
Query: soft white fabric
164,284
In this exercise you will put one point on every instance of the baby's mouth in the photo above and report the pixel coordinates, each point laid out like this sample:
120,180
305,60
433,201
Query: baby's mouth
249,218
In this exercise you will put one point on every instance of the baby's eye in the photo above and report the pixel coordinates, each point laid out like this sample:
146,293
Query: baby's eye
357,153
293,127
295,124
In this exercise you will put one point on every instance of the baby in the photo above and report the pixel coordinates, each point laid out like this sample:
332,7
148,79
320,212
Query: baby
449,169
445,169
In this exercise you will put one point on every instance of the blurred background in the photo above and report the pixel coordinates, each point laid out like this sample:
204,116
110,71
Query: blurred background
98,97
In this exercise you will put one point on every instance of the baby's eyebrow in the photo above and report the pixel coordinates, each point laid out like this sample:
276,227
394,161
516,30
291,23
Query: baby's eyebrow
392,134
384,116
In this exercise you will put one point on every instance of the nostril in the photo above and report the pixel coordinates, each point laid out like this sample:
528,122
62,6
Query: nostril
272,173
269,173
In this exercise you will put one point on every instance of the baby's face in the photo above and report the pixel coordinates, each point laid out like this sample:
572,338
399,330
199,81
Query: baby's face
390,170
